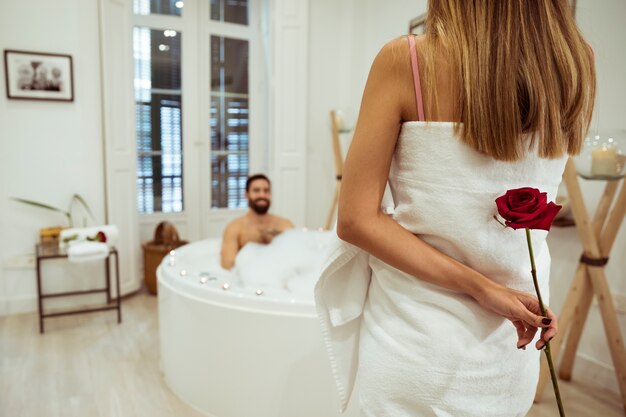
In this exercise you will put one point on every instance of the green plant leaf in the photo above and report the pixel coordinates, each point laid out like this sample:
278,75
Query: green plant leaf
81,200
44,206
41,205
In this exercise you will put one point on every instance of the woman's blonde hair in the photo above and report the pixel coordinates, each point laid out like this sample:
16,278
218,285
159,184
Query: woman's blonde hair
519,66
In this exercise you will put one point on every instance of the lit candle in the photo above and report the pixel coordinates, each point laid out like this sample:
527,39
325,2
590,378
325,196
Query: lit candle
339,121
604,161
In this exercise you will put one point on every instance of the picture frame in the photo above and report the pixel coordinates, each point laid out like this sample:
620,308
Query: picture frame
38,76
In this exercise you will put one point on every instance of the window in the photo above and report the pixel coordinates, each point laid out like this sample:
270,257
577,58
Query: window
230,109
166,7
159,62
231,11
229,122
158,120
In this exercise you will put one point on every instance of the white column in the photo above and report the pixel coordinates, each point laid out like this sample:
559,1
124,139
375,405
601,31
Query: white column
116,46
289,107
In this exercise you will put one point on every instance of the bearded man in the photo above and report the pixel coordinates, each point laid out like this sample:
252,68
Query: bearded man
257,225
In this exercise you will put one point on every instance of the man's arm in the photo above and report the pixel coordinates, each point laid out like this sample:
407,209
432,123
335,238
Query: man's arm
286,224
230,245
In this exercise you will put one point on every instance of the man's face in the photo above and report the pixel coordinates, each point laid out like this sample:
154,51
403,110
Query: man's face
259,196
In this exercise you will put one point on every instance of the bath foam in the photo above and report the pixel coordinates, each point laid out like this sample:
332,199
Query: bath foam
292,261
286,269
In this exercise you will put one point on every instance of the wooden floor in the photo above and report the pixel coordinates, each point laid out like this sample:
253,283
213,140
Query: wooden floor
89,366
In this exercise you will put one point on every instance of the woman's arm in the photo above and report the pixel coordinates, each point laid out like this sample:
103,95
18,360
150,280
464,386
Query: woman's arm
387,99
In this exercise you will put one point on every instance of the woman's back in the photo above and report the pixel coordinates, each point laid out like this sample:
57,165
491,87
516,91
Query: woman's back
504,68
423,302
444,192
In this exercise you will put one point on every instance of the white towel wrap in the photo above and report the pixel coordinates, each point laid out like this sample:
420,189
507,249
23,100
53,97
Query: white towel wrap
443,192
87,251
339,296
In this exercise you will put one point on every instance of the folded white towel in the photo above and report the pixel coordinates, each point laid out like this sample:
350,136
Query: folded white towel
87,251
82,233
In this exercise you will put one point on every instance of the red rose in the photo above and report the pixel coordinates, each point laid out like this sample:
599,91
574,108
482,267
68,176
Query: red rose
527,208
101,237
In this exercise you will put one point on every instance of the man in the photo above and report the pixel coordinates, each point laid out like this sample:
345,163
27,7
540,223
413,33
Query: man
257,225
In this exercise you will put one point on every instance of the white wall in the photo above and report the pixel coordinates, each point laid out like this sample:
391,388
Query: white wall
345,36
375,26
329,85
48,150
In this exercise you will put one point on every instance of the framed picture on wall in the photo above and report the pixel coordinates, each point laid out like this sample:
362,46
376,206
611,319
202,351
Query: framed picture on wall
38,76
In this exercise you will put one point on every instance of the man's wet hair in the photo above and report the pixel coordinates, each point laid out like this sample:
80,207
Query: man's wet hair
255,177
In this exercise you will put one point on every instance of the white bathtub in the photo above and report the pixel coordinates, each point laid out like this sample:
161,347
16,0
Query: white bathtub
234,353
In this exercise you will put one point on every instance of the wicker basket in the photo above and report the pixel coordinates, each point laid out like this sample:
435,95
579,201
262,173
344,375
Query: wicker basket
165,239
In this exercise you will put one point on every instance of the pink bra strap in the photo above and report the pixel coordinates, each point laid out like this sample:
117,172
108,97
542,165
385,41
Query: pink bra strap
416,79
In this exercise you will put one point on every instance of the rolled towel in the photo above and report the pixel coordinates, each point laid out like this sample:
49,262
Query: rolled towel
78,234
87,251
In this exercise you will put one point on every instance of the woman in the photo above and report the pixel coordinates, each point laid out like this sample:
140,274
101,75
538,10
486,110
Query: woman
434,304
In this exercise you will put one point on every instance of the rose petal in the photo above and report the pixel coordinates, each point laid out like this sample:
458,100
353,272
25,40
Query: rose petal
513,225
538,199
521,199
544,222
503,208
527,215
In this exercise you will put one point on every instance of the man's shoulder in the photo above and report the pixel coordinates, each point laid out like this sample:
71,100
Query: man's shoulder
282,221
235,224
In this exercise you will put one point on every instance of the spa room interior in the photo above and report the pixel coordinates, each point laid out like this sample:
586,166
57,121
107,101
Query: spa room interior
113,298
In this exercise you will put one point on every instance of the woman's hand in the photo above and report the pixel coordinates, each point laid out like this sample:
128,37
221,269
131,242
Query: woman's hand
524,312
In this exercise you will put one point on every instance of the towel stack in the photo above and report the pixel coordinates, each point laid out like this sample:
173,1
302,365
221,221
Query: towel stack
87,251
84,234
86,244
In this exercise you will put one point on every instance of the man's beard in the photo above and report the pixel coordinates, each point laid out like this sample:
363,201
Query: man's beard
259,209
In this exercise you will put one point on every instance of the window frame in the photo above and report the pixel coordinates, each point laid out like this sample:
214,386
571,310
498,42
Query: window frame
196,26
177,23
160,92
258,81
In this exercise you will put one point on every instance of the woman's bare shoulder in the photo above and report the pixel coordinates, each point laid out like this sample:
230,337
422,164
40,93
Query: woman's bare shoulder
392,71
394,54
392,65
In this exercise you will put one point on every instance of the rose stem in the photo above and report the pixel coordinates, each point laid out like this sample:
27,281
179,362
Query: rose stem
533,271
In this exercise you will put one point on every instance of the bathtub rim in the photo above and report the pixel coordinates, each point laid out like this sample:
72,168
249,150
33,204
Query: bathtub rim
244,303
